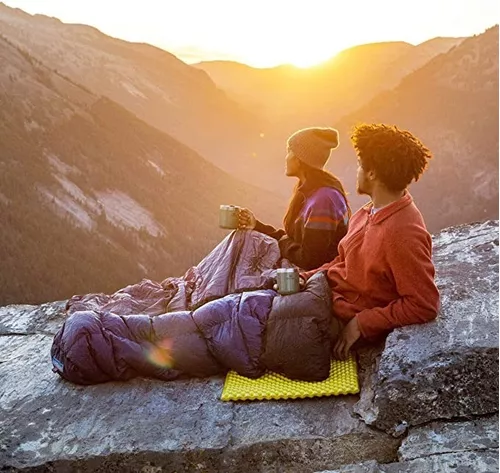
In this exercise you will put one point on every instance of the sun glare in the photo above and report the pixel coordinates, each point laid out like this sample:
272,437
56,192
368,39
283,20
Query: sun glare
305,55
302,57
306,61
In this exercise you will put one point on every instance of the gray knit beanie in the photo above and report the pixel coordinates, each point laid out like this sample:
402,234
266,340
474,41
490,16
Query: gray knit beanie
312,145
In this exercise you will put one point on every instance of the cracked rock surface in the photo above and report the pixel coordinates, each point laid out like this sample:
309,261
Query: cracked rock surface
442,447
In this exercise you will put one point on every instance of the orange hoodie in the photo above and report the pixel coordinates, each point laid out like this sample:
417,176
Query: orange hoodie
384,273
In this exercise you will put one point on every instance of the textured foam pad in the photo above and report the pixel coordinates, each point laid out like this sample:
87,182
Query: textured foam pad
343,379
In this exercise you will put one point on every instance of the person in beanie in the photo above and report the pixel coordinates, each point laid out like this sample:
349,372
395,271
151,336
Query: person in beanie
318,213
383,277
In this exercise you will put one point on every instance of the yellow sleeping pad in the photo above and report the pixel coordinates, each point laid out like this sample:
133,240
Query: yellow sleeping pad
343,379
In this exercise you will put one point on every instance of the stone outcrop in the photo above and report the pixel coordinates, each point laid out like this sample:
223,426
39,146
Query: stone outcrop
444,370
447,368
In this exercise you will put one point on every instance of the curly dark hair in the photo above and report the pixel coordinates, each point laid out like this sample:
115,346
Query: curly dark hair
396,156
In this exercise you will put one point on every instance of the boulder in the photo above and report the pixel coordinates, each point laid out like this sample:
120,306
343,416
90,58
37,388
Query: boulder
447,368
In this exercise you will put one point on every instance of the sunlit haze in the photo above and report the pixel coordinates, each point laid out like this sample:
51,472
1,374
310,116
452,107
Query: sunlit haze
265,33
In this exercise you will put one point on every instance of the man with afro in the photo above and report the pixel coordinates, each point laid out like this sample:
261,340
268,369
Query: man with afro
383,276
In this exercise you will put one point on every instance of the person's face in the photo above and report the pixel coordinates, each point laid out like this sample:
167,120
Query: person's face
364,185
292,164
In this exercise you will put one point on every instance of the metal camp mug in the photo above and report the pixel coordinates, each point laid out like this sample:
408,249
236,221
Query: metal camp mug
287,280
229,216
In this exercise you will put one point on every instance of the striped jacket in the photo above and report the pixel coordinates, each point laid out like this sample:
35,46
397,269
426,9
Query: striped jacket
317,230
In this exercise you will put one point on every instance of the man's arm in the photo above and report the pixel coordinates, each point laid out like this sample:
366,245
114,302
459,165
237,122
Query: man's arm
410,261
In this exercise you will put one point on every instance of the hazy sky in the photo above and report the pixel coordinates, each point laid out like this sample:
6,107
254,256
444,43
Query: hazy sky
268,32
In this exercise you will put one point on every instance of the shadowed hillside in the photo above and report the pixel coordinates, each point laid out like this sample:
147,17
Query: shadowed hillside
150,82
91,197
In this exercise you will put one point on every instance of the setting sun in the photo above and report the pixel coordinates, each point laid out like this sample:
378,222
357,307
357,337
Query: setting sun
308,61
303,56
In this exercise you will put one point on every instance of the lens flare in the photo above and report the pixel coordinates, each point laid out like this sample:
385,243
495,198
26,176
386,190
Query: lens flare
161,354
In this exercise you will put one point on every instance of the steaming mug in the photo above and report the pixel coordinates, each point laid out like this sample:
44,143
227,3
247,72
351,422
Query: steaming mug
287,280
229,216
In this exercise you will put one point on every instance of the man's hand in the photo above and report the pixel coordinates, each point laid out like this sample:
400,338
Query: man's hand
347,338
247,219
